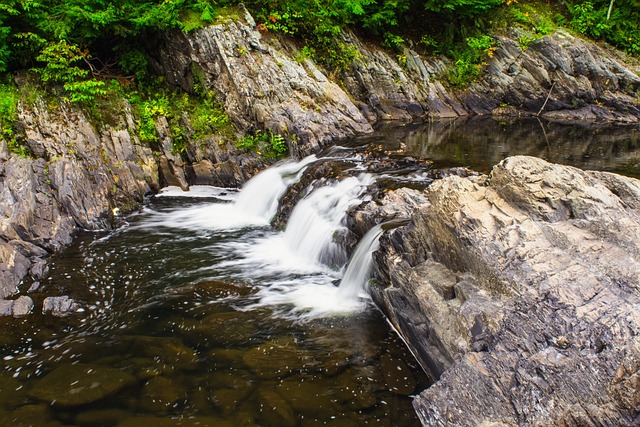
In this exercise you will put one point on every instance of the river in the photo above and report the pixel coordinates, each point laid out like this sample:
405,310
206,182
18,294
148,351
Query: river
197,311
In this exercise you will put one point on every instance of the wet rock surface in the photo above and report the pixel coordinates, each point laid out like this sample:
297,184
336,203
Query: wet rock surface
81,178
59,306
519,291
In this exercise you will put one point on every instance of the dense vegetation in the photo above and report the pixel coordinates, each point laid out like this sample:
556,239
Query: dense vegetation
87,49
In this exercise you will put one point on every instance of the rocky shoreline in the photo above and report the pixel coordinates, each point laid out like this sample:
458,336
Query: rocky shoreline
519,292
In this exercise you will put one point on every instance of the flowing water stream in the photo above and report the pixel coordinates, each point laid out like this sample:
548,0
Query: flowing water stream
197,312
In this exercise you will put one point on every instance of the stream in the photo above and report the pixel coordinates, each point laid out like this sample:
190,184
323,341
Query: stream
197,311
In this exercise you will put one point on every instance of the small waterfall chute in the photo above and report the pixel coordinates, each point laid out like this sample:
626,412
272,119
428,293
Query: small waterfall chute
261,194
358,271
319,217
322,298
253,206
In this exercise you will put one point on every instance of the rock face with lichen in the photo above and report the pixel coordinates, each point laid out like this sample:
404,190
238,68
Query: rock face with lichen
260,83
519,292
571,78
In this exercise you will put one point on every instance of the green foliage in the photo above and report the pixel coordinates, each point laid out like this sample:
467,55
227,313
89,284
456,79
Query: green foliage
208,117
85,91
9,99
320,23
470,61
269,144
621,30
60,61
8,110
134,63
190,117
148,111
463,7
393,41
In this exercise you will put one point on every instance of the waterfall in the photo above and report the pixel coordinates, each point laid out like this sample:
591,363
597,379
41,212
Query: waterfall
355,279
297,268
261,194
318,219
253,206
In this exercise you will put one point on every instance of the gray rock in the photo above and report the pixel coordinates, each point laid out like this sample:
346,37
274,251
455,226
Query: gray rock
59,306
588,83
22,306
519,291
262,87
13,268
6,307
39,268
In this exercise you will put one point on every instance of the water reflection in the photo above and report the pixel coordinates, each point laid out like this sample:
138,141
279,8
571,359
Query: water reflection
481,142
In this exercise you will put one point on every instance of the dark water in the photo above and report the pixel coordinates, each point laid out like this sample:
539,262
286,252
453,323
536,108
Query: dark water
479,143
173,332
171,335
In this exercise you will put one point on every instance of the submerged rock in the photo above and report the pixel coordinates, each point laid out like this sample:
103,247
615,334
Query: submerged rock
29,416
177,422
227,329
160,395
75,385
278,358
519,290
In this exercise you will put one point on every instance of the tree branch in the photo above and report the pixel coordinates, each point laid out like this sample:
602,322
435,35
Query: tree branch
546,100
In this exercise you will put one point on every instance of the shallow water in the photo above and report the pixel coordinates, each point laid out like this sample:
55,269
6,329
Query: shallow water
197,312
184,319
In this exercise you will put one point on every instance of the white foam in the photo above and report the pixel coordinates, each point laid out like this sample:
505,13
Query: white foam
199,191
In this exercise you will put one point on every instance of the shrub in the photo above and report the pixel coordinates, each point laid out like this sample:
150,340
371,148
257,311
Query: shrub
470,61
268,144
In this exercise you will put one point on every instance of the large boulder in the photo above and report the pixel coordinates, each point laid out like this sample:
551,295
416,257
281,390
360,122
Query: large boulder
520,292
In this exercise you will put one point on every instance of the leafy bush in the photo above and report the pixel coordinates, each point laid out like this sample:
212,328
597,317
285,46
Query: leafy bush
8,110
148,111
462,7
470,61
269,144
60,59
190,117
621,29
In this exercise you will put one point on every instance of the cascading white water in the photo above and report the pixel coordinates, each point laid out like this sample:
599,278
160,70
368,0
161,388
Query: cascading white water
358,271
307,257
296,268
261,194
254,205
319,217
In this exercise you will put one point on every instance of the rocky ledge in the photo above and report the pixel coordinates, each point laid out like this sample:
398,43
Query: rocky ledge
519,291
80,177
